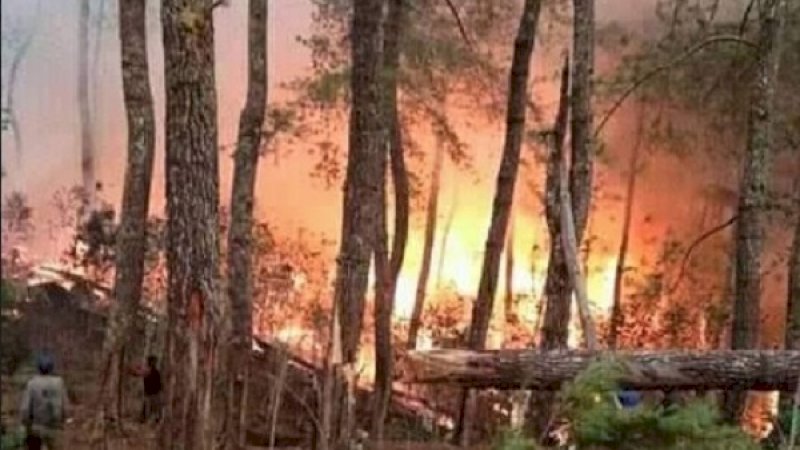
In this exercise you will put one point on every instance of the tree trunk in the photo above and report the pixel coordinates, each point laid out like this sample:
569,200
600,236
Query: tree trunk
793,308
240,236
643,370
362,190
580,176
753,196
384,304
431,215
87,143
387,267
570,244
11,88
555,329
617,317
192,247
131,235
793,295
395,29
509,295
504,194
507,175
448,225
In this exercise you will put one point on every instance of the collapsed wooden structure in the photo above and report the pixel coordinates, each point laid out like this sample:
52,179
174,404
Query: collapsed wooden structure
61,313
764,370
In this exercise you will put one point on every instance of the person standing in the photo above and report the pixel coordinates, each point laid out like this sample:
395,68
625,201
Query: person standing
44,406
151,406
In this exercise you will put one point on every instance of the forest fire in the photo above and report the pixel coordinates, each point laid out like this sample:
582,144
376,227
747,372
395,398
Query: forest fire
473,214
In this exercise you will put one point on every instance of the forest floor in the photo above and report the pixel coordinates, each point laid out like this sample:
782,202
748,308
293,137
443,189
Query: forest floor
78,434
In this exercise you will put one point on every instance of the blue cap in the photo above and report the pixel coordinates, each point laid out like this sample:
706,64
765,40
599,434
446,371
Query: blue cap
45,363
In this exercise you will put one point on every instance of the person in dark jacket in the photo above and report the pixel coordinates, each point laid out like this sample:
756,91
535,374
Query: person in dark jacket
151,406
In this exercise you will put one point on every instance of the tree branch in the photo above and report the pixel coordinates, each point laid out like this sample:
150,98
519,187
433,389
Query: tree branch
694,245
656,70
461,28
746,17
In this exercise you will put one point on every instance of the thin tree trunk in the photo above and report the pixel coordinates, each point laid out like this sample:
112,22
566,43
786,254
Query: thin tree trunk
617,317
395,29
387,267
753,196
87,143
431,215
504,194
131,235
580,176
576,276
509,295
192,187
507,175
240,234
362,191
448,225
384,304
555,329
11,88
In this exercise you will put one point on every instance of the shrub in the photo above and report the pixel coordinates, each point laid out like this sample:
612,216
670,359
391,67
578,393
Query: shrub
13,347
598,423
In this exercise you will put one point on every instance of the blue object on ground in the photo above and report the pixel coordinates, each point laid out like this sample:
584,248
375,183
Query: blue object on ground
629,399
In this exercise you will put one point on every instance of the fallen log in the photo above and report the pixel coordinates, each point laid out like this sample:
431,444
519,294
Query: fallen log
763,370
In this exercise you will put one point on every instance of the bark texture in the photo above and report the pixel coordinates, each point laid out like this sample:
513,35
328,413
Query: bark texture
509,295
558,286
362,192
132,231
793,305
192,250
387,267
88,175
581,171
240,235
753,195
364,161
384,304
570,245
516,109
507,175
643,370
394,32
617,317
793,296
558,283
431,215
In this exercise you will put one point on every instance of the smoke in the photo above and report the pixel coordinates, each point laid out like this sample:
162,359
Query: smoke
667,197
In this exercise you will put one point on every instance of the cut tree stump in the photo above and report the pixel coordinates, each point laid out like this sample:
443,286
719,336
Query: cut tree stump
761,370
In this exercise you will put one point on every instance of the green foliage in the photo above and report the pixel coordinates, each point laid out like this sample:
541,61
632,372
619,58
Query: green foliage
597,421
12,440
